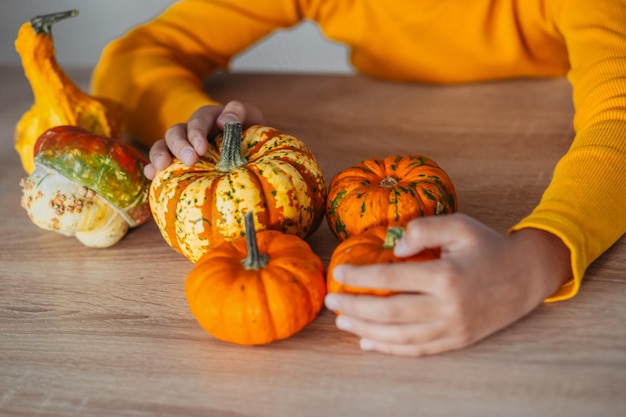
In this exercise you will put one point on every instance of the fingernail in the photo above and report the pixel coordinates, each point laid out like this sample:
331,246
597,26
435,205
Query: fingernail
331,302
186,155
366,344
159,161
197,141
400,249
339,273
343,323
228,117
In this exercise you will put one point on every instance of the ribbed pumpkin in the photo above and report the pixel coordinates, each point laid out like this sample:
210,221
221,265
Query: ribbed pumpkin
256,289
57,100
386,192
273,174
374,246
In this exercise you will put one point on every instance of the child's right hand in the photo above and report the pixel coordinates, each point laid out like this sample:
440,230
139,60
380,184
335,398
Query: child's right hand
188,141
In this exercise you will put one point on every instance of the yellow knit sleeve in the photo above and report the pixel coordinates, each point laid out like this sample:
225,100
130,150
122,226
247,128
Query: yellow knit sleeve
157,69
585,204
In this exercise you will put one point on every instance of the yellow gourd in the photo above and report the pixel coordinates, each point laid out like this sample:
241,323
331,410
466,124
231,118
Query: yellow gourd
57,100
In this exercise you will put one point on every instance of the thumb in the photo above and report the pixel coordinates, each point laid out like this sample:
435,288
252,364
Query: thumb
237,111
443,230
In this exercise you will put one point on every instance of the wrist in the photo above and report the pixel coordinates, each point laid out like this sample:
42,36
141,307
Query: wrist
548,257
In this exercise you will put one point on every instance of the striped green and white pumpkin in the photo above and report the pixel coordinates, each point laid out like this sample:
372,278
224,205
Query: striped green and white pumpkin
261,170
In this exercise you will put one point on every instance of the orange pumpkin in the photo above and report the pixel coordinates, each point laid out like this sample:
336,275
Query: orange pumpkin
272,174
374,246
258,289
58,101
386,192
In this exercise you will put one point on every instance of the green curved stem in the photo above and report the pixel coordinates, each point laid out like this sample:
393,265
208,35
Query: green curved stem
230,156
255,259
394,234
43,24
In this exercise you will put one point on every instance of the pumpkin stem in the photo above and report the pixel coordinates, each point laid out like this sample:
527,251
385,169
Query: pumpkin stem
255,259
230,157
394,234
43,24
388,182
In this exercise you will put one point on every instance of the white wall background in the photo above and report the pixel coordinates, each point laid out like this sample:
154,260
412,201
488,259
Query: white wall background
79,40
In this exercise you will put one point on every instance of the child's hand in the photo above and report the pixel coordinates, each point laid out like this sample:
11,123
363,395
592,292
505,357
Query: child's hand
483,282
188,141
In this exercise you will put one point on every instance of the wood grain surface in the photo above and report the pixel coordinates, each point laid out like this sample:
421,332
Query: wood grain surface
107,332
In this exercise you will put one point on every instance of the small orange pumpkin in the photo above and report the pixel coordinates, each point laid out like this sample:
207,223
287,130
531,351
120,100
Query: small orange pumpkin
258,289
374,246
387,192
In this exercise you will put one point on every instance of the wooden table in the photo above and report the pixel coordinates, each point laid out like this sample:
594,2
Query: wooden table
107,332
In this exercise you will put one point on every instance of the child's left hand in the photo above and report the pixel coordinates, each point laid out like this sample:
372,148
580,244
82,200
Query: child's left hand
483,282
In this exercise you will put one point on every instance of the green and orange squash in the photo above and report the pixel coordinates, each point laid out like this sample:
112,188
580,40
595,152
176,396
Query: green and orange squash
86,185
387,192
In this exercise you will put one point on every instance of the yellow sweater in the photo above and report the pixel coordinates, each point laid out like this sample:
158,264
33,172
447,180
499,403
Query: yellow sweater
157,69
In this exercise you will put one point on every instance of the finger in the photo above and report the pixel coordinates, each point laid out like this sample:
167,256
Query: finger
445,231
200,125
177,143
394,309
149,171
395,334
237,111
159,156
421,349
416,277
